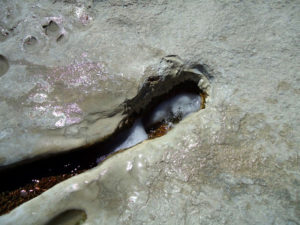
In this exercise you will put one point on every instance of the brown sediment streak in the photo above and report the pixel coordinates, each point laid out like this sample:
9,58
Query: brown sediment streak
28,180
203,96
159,130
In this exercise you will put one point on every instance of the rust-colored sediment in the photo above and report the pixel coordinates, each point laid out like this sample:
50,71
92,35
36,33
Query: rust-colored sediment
203,96
159,131
11,199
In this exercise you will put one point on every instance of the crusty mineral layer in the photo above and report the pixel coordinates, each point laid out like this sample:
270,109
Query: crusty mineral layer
67,67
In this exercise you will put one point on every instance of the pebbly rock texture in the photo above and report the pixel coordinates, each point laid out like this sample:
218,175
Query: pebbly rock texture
234,162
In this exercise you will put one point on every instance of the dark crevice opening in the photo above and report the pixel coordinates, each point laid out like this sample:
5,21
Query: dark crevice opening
71,216
25,181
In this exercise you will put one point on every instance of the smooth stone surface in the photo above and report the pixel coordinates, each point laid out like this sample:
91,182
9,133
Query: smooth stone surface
235,162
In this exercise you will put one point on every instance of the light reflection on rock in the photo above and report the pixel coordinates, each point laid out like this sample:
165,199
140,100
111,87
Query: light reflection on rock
79,74
39,98
62,115
67,114
50,105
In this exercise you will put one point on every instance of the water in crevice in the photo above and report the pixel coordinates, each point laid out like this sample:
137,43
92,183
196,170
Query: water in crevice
165,114
22,183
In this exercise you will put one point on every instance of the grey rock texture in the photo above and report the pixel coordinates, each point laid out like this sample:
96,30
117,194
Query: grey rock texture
235,162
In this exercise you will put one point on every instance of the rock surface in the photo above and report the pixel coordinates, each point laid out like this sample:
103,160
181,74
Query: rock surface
67,66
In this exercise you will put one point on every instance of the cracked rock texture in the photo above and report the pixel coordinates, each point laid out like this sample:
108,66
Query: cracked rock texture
66,66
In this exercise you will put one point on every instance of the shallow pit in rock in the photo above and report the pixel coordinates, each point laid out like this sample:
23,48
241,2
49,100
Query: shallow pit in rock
30,43
51,28
26,180
4,65
69,217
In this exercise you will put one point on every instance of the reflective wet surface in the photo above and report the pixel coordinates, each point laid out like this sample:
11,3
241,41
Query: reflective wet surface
26,181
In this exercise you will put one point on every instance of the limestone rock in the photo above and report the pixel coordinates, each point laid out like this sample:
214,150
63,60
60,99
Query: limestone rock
234,162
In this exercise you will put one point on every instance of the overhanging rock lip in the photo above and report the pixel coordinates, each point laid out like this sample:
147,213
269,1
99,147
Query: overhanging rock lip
171,71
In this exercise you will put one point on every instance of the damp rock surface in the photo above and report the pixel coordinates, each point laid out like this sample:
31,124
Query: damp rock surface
234,162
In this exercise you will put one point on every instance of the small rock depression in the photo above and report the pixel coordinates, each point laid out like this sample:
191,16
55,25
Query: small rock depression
73,216
4,66
51,28
30,42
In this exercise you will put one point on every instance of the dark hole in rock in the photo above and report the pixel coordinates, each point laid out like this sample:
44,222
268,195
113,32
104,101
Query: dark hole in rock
153,78
60,37
69,217
4,65
22,182
51,27
30,41
179,102
3,34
